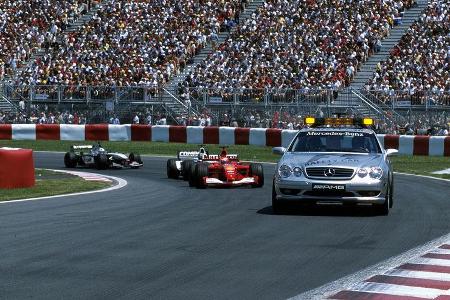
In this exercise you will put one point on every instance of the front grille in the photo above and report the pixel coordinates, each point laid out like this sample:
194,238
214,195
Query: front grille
329,194
330,172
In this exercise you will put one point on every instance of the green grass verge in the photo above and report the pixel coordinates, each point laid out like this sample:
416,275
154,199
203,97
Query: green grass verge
422,165
51,187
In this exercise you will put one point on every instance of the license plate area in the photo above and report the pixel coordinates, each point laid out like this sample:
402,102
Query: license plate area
317,187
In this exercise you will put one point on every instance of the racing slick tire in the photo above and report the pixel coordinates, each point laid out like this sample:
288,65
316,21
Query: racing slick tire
383,209
201,170
186,166
172,171
257,170
192,178
70,160
101,162
135,157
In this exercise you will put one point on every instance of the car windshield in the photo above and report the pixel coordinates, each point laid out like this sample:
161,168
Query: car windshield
335,141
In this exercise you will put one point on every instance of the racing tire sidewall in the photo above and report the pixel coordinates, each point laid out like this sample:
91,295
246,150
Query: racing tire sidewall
186,166
201,170
70,160
172,171
256,169
192,179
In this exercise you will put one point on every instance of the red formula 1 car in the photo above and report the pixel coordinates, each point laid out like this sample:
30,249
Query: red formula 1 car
225,170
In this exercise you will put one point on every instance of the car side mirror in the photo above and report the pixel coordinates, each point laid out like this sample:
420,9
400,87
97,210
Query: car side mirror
278,150
390,152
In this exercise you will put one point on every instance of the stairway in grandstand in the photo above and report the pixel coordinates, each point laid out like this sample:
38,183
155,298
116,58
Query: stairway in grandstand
71,28
173,105
365,103
6,106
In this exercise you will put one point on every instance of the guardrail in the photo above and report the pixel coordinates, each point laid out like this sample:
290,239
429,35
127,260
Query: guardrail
410,145
224,96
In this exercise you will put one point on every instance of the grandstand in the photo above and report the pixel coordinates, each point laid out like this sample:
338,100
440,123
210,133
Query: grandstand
247,63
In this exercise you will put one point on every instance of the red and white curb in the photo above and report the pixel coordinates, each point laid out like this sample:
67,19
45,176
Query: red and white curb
421,273
120,183
88,176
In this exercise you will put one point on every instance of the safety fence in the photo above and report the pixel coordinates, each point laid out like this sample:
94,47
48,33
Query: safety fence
408,145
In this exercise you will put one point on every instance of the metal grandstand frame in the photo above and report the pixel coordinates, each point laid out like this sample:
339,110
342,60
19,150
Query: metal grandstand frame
387,106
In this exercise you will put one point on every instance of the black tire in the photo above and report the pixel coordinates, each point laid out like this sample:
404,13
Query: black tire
257,170
191,177
135,157
383,209
101,161
277,205
201,170
172,171
70,160
186,166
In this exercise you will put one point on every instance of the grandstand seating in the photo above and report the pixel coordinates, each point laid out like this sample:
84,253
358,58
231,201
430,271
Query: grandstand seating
299,44
418,66
27,25
133,43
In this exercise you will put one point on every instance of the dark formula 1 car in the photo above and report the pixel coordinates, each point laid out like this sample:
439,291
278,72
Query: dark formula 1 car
181,165
225,170
97,157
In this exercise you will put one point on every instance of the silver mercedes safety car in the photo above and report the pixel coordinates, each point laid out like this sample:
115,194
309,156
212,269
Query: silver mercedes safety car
335,161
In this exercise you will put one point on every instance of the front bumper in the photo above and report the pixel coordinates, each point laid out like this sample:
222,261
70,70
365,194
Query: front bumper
217,182
356,191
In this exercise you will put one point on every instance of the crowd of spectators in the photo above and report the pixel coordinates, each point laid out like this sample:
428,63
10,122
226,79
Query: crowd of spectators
299,44
418,66
134,43
26,25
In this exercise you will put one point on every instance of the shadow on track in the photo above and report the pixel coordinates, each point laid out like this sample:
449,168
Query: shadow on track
326,211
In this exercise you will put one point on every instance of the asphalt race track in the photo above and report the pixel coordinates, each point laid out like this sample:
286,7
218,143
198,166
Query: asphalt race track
159,239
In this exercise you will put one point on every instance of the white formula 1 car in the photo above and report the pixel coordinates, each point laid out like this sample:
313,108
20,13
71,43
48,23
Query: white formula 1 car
181,165
97,157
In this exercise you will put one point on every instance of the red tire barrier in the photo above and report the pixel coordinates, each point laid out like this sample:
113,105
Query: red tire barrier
211,135
48,132
97,132
406,144
242,136
5,132
391,141
141,133
17,168
421,145
177,134
273,137
447,146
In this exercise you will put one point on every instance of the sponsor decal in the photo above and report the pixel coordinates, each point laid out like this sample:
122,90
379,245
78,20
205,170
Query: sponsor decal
329,187
334,133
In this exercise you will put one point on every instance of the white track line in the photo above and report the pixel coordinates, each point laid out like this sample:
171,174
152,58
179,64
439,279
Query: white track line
419,274
431,261
398,290
120,184
440,251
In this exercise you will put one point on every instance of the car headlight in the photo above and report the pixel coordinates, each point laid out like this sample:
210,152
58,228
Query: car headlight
297,171
285,171
362,172
376,172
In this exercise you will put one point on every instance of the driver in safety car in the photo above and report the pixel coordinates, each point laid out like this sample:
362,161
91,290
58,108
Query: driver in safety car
334,161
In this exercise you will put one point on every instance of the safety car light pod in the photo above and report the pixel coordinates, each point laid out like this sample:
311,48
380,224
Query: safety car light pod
362,172
285,171
376,172
297,171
